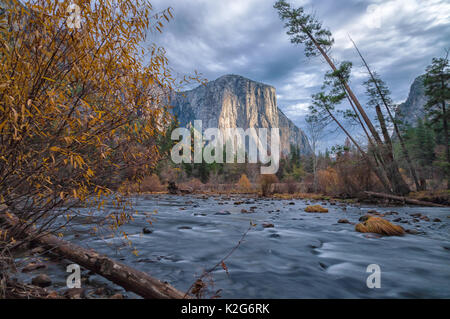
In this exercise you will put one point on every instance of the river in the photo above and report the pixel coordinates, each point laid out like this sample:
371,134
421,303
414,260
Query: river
305,255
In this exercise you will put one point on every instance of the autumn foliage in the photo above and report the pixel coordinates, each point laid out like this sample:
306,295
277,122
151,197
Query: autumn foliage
80,108
244,184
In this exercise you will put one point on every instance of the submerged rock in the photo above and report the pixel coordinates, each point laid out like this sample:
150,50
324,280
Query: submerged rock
343,221
268,225
222,213
146,230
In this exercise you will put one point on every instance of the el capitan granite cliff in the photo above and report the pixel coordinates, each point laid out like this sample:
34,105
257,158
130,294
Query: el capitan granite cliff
233,101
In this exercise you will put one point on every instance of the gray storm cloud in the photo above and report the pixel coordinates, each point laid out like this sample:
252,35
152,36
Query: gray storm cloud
398,37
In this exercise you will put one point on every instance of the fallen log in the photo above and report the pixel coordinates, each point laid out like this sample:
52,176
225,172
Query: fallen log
127,277
404,199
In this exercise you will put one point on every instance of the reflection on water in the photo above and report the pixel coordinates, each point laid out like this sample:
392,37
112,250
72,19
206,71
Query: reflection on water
304,256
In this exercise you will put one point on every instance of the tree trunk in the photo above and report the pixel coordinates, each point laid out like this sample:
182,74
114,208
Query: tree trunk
404,199
398,184
447,147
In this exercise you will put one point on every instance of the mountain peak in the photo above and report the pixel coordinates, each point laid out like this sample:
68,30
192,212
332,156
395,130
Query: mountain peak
233,101
232,78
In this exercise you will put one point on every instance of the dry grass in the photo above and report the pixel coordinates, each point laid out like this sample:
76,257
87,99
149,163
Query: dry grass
244,185
194,184
380,226
316,209
150,184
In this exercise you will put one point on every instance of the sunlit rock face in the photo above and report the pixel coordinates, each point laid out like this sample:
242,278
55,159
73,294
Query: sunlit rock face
233,101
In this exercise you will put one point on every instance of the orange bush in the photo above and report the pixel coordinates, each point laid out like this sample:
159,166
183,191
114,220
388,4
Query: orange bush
328,181
244,184
151,184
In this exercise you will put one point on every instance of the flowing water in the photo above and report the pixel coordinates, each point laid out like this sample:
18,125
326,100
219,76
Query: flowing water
305,255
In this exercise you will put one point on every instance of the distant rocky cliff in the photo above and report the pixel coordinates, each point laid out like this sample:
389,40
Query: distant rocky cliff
233,101
412,109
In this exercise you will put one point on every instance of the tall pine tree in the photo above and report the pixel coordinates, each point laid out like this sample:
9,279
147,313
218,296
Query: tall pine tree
437,90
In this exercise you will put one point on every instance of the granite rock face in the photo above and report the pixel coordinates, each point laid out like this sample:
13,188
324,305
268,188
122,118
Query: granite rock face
233,101
412,109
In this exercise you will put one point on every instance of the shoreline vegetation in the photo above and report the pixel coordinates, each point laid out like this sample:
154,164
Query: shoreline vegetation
285,191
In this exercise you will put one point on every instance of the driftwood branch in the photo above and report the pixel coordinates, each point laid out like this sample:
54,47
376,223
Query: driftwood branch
404,199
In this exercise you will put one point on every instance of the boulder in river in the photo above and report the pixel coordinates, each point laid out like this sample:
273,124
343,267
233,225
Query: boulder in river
343,221
380,226
146,230
41,280
268,225
223,213
316,209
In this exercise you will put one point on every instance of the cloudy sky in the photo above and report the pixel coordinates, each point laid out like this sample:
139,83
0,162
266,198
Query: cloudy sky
216,37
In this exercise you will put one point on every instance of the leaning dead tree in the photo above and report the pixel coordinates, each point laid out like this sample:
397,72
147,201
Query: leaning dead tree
305,29
382,92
